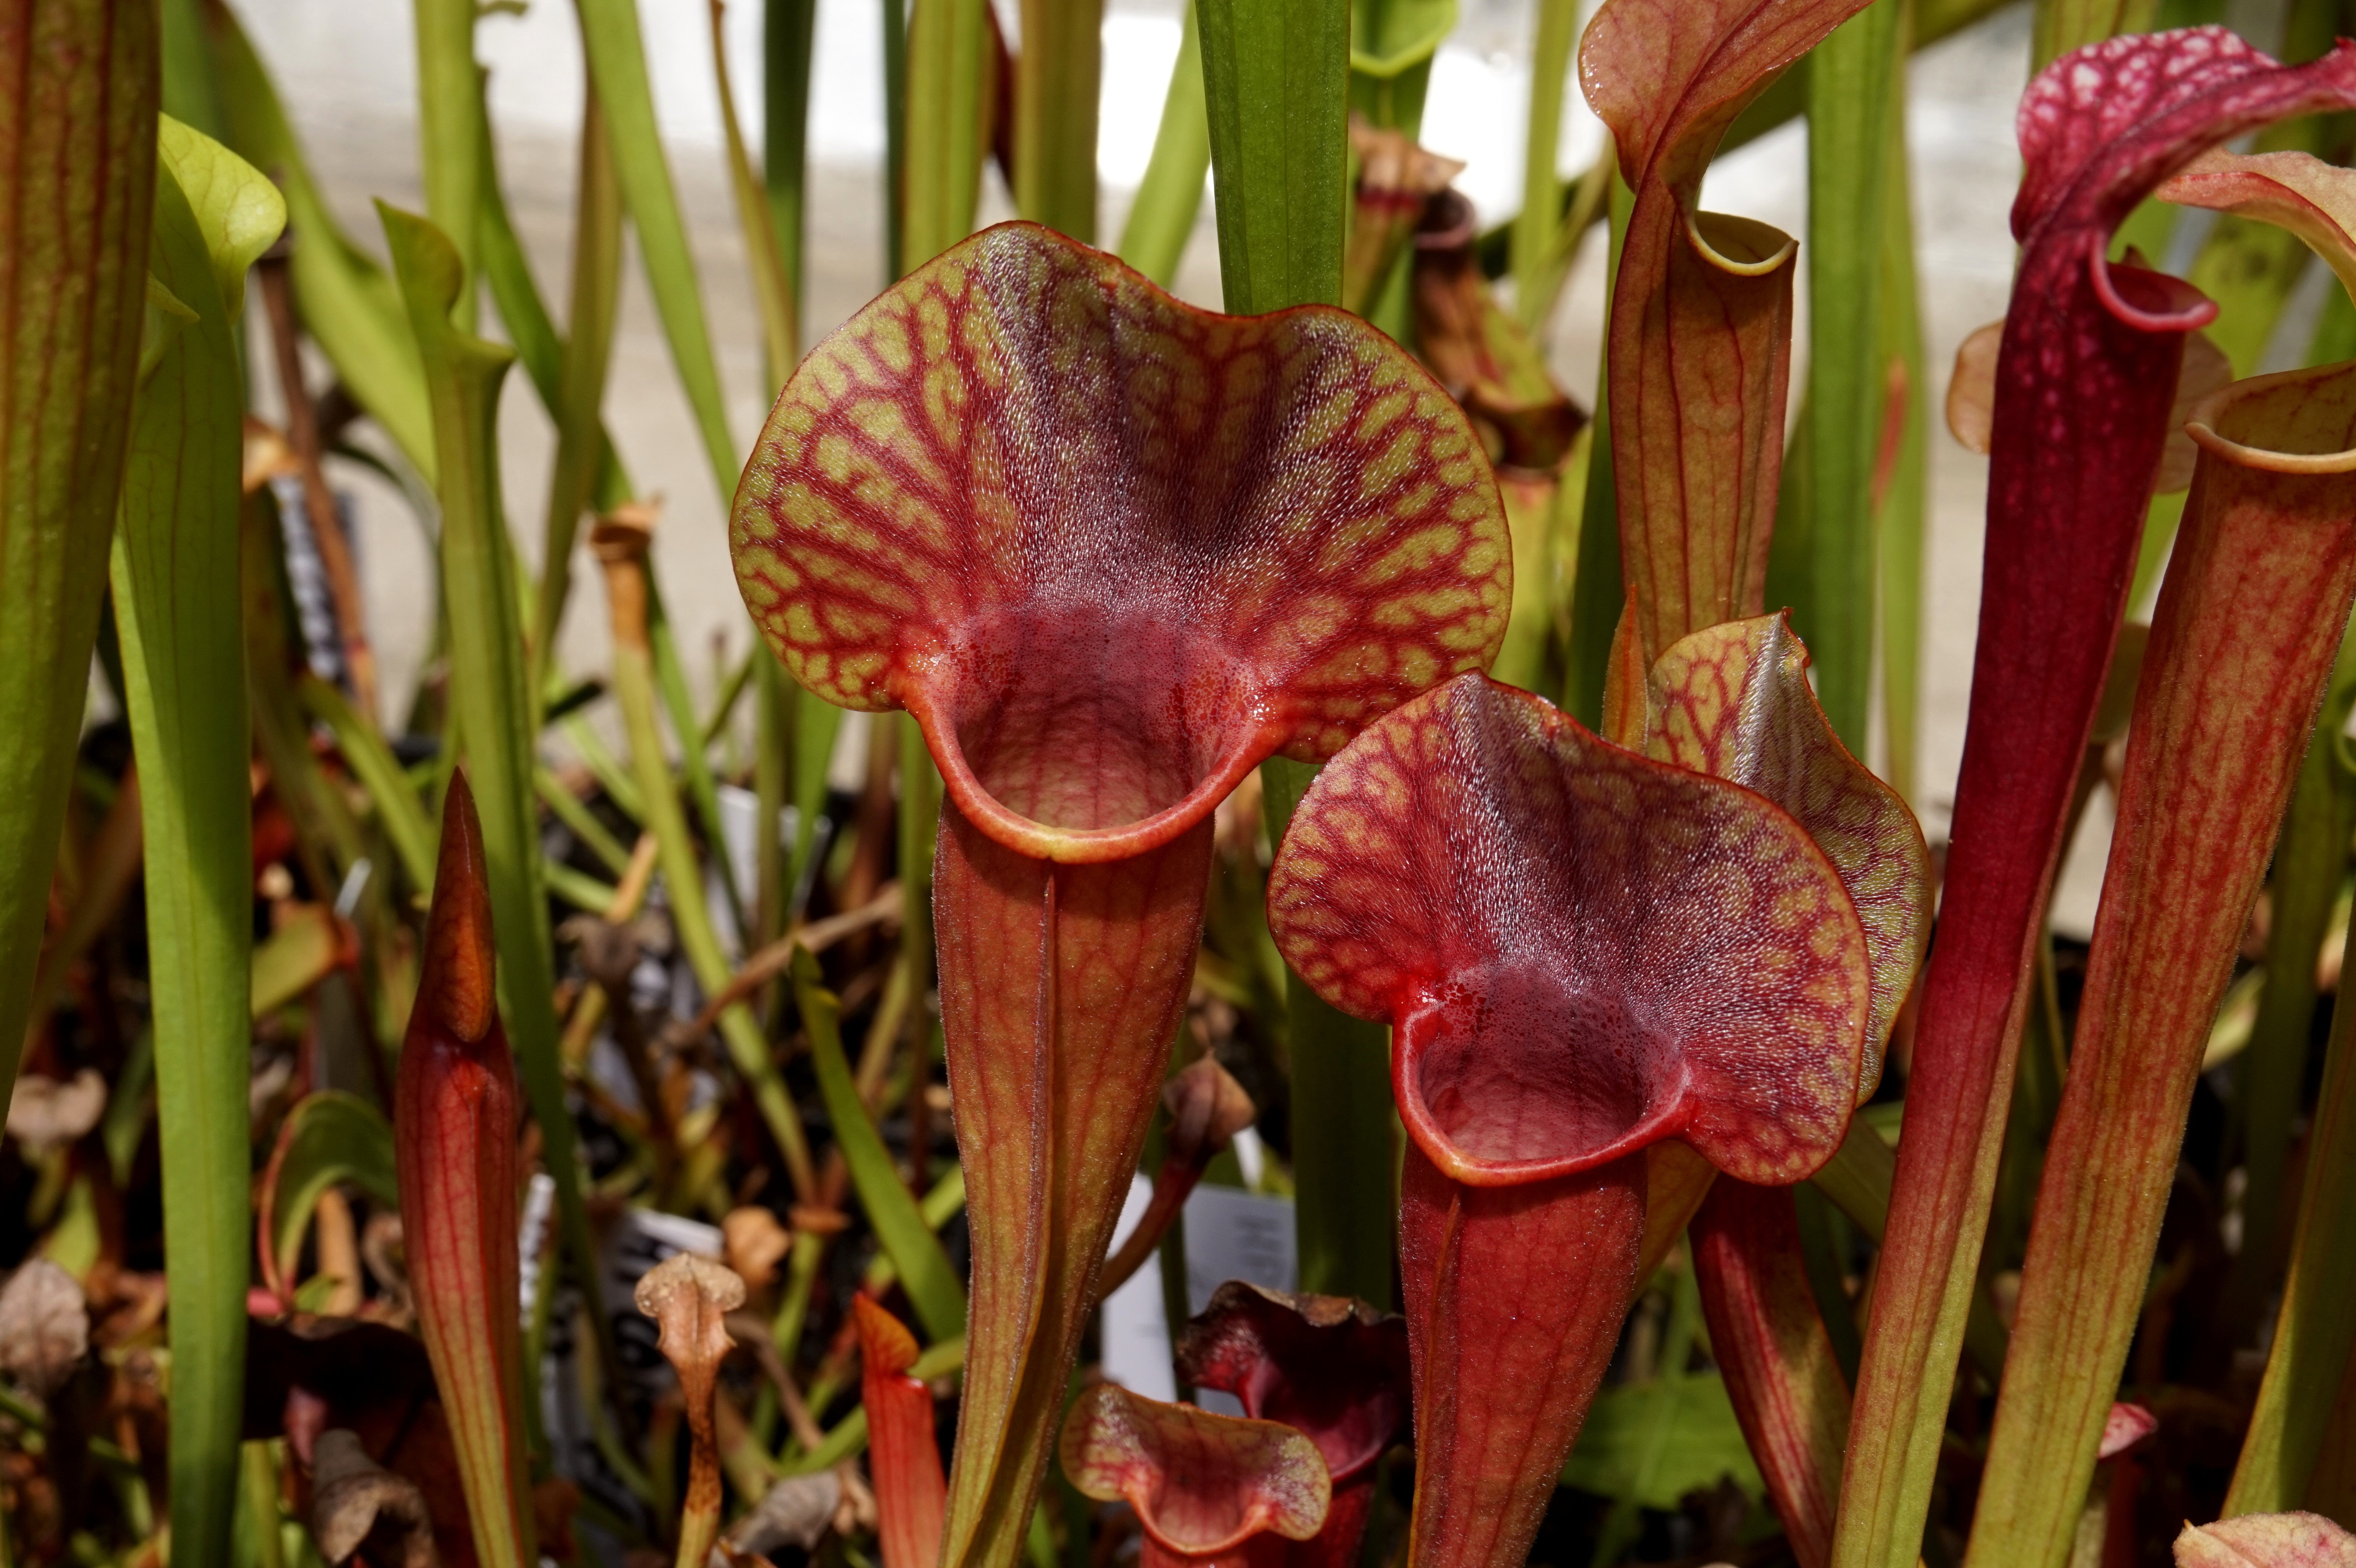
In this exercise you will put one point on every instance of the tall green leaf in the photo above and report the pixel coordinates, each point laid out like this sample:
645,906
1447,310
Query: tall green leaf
1851,77
583,455
192,89
895,138
948,91
1535,225
1905,505
617,67
1056,79
1153,236
177,600
773,289
1391,46
1597,587
1276,87
915,1252
2060,25
494,712
788,36
2315,1334
349,306
451,127
76,178
331,1138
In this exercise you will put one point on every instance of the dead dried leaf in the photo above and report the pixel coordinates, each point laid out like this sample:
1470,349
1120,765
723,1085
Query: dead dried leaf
44,1325
2267,1541
356,1502
757,1243
44,1113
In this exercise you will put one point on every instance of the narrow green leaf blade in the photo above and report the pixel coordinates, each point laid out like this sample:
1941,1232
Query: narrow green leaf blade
486,680
1850,134
1153,236
1276,87
948,88
618,67
914,1250
178,609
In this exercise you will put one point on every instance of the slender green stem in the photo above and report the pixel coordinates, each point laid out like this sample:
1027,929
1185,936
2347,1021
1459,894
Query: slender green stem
1055,115
177,612
1153,236
490,703
2060,25
2310,859
398,808
2315,1332
1905,503
1276,88
1535,225
788,32
948,88
777,701
773,285
580,436
678,707
1850,148
192,87
915,1252
617,65
1597,587
896,139
1345,1140
451,128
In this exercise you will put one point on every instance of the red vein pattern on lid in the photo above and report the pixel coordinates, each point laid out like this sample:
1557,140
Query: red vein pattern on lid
1734,701
1111,552
1110,549
1583,950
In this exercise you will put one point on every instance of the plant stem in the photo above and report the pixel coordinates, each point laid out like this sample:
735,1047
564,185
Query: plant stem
451,127
178,599
621,546
1851,79
947,89
1276,90
588,348
1055,115
618,66
2315,1331
1535,226
787,37
77,181
1161,221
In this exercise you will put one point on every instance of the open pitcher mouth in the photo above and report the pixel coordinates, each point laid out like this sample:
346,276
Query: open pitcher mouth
1088,734
1517,1077
2296,421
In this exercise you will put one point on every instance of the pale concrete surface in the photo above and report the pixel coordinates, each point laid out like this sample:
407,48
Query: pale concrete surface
347,74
